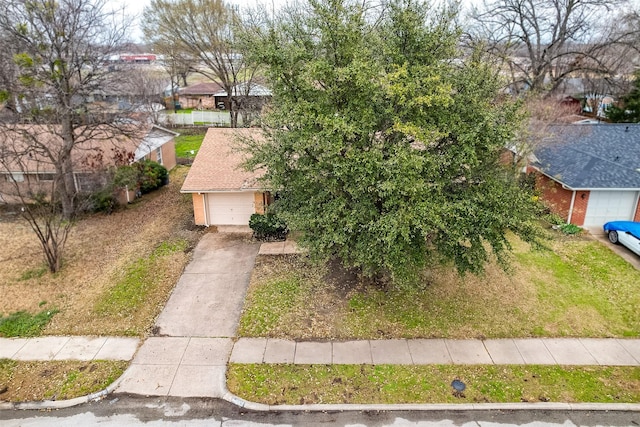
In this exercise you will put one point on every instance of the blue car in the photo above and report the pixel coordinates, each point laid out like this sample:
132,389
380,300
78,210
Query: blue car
626,233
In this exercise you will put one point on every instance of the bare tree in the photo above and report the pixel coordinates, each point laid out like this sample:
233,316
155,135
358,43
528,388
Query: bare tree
540,43
206,31
62,47
58,54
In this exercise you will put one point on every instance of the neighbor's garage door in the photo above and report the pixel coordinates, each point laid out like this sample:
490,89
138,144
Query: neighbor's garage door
230,208
610,206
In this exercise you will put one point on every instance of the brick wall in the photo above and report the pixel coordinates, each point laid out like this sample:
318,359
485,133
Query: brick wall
169,155
636,217
554,196
580,207
558,199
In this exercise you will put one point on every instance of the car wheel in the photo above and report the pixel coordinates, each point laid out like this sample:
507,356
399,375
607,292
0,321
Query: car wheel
613,237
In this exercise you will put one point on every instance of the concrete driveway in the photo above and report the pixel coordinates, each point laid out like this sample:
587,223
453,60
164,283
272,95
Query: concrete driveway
194,332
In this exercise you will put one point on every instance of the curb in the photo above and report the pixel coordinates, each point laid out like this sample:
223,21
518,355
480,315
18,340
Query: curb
261,407
540,406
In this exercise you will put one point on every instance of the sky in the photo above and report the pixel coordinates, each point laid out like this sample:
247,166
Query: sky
136,7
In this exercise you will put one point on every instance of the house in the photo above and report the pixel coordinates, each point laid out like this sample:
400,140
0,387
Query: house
222,192
590,173
247,95
201,96
25,166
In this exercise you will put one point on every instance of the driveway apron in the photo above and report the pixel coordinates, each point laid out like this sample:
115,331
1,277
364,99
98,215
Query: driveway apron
194,332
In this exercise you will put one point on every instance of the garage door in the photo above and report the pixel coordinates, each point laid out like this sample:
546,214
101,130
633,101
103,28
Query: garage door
610,206
230,208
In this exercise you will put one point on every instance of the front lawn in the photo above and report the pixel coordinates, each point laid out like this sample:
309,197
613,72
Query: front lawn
118,270
309,384
579,289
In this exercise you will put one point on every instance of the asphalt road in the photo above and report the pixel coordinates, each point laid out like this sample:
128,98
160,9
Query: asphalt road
140,411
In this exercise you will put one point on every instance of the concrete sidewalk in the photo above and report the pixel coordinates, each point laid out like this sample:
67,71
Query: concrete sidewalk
526,351
68,348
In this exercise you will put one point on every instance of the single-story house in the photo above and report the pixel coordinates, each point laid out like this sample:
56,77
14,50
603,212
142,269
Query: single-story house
26,166
248,95
223,193
200,95
590,173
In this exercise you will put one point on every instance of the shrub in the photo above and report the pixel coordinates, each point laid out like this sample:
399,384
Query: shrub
268,227
152,176
103,201
570,229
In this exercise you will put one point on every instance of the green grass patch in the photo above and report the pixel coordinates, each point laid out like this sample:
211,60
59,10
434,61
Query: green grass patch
271,306
138,281
392,384
185,144
33,273
25,324
580,288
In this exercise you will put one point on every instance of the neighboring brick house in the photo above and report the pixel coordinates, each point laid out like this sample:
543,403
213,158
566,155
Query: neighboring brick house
222,192
590,173
34,173
200,96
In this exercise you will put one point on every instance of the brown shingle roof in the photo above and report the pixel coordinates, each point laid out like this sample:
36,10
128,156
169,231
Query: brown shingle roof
217,164
95,147
201,89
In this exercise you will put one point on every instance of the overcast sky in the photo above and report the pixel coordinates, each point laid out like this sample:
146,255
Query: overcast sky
136,7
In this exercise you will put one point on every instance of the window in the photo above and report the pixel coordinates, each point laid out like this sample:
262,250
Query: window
45,177
15,177
159,155
89,182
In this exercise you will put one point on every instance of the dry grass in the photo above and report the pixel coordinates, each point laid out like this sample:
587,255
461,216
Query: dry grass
98,253
34,381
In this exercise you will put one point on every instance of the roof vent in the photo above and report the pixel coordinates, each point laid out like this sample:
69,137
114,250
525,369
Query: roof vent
626,129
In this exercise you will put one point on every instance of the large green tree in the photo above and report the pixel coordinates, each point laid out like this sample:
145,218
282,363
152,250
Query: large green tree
384,138
629,110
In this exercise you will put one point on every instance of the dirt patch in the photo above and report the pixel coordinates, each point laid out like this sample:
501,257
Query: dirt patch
99,249
36,381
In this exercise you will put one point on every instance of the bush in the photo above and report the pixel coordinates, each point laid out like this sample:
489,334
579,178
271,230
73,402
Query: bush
152,176
103,201
570,229
268,227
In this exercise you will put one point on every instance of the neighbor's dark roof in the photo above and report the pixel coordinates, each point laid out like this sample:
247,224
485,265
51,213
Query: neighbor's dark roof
584,156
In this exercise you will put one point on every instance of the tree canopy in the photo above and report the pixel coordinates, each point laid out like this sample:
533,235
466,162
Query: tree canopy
542,43
629,110
384,138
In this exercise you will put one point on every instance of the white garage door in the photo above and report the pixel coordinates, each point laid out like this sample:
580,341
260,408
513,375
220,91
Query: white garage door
230,208
610,206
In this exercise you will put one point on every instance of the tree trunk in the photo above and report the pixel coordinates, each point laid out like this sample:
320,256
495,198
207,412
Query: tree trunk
67,191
